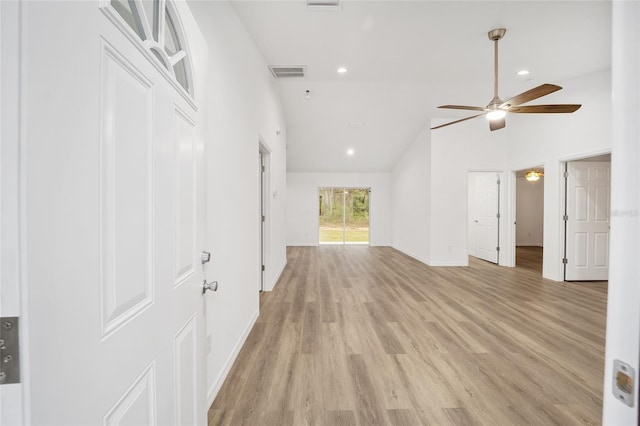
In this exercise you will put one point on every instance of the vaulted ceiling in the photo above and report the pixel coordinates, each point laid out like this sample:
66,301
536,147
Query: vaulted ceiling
404,58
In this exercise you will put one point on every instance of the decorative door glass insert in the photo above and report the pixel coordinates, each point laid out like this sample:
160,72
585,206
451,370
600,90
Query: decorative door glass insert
160,33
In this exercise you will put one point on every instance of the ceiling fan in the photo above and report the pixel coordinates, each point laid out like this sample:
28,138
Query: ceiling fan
498,109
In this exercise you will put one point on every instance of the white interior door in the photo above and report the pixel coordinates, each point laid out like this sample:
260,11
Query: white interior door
114,212
484,215
587,238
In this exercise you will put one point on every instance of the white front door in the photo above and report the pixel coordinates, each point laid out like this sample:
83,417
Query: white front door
587,238
114,224
484,215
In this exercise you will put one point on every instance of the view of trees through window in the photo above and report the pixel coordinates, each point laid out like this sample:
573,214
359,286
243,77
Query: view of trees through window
344,215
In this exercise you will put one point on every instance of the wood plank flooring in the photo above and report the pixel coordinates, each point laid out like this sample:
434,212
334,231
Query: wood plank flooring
530,258
368,336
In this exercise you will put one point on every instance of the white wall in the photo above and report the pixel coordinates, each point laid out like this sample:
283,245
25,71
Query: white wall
529,212
302,204
623,315
241,106
410,200
455,151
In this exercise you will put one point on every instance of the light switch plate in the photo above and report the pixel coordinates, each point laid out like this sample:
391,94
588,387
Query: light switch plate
623,382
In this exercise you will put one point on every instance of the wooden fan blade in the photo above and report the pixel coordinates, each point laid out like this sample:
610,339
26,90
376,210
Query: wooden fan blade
529,95
457,121
497,124
545,109
472,108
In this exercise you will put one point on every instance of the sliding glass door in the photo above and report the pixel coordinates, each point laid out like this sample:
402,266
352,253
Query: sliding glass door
343,215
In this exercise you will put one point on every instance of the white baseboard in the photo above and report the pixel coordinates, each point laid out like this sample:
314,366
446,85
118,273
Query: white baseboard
217,383
273,283
418,258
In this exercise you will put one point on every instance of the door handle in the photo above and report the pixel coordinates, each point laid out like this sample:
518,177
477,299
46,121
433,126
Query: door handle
212,286
205,257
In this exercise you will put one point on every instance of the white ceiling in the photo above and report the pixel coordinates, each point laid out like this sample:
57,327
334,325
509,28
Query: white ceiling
407,57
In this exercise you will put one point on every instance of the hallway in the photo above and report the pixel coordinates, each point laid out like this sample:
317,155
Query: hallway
529,258
359,335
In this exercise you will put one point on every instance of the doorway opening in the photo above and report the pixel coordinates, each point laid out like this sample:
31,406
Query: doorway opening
529,218
343,215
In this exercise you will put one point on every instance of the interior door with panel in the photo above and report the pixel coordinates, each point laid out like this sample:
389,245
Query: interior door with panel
587,232
114,210
484,215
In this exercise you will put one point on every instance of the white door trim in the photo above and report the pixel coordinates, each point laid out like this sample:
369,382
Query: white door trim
264,182
14,398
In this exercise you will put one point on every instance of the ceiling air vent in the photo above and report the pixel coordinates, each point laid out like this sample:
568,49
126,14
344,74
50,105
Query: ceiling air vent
329,5
285,71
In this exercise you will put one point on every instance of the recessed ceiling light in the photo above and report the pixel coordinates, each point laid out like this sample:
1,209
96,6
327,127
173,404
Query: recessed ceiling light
350,152
341,70
523,72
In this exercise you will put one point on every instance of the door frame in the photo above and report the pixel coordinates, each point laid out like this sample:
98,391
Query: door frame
560,167
505,252
564,201
14,398
512,211
264,176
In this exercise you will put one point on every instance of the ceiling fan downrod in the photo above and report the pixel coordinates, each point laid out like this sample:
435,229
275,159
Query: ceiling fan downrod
495,35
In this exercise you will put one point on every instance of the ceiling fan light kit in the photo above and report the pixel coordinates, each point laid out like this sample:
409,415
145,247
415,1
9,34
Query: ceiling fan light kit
497,109
496,114
533,175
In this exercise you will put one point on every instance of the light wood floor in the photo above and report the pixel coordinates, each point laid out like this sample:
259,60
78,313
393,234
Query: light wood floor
529,258
368,336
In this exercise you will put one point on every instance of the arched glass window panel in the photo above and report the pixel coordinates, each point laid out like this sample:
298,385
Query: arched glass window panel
128,11
171,43
160,34
181,74
158,55
151,8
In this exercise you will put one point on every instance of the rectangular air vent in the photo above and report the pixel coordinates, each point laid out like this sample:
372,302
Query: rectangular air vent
285,71
329,5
